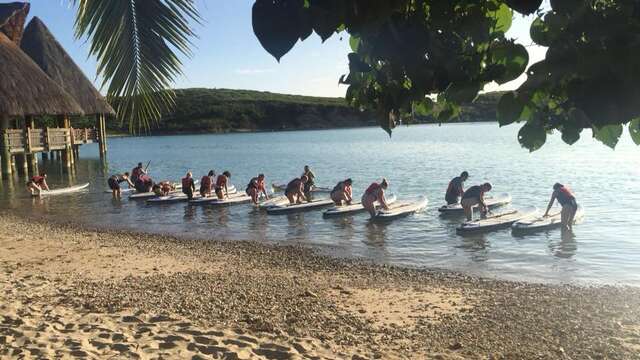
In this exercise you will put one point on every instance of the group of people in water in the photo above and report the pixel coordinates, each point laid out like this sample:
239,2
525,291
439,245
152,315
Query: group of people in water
299,190
474,195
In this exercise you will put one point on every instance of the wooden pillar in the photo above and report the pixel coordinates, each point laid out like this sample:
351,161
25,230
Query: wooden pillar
66,153
101,129
32,158
4,147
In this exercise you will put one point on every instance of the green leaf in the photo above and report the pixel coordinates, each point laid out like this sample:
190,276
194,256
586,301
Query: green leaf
136,44
462,93
532,136
539,32
354,42
503,17
634,130
356,64
513,58
424,107
509,109
608,134
327,16
276,24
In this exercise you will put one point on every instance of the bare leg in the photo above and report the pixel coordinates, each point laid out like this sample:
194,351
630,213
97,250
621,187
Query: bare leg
468,212
565,216
291,199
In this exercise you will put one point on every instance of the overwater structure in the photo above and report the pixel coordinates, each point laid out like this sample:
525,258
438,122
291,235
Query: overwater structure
39,80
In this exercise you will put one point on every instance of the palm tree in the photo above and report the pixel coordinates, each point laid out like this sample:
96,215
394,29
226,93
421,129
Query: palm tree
136,44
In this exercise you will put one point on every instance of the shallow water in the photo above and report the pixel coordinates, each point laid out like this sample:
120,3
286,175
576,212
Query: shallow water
417,160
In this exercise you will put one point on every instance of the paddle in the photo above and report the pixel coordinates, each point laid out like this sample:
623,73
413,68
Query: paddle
500,215
147,167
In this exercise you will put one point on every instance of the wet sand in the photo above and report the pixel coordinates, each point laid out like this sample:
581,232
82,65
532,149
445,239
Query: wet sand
69,291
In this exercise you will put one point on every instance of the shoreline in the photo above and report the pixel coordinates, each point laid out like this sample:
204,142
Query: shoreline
280,301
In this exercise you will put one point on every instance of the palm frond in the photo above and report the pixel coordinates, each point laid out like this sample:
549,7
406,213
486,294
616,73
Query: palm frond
136,43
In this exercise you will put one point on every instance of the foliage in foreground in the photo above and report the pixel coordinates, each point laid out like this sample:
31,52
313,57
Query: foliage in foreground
408,52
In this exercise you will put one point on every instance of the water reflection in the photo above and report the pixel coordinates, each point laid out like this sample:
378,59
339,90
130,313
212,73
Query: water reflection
567,247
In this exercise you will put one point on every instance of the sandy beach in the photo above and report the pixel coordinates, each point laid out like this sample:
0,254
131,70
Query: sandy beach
76,292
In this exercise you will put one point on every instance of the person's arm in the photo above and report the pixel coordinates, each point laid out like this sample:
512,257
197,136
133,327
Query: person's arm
553,199
264,191
383,200
130,183
301,192
483,206
460,190
45,186
193,185
226,189
349,195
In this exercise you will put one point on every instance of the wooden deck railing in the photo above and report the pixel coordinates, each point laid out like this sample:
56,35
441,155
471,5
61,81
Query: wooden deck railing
38,140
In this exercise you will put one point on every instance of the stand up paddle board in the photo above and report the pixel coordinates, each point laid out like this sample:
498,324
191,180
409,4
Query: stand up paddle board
61,191
305,206
274,201
314,189
539,223
235,198
492,202
353,208
496,221
401,209
151,194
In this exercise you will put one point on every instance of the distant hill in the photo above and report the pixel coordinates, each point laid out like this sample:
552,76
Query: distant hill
222,110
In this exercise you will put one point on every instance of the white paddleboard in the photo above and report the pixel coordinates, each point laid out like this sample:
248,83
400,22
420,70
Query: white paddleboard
305,206
174,196
492,201
151,194
273,201
539,223
401,209
234,198
314,189
122,191
353,208
496,221
61,191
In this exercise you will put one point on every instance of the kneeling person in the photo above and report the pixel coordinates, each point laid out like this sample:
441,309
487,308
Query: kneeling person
37,184
342,192
188,185
295,190
222,183
373,194
475,196
256,187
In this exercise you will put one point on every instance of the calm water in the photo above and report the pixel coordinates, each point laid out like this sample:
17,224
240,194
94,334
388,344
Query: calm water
418,160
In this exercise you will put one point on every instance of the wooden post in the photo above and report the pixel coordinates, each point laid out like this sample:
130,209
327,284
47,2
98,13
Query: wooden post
5,153
32,158
101,129
66,153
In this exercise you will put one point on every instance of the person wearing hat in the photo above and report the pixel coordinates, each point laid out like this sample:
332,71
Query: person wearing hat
342,193
456,188
475,196
567,200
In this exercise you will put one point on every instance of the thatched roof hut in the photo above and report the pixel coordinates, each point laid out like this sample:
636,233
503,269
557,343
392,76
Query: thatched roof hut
12,18
26,90
46,51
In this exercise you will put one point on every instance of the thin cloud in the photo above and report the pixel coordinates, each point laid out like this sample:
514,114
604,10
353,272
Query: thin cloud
253,71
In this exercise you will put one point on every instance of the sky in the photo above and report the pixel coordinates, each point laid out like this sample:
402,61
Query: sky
227,54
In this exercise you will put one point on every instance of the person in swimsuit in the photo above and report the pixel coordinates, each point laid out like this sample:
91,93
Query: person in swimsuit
114,183
311,181
143,184
373,194
222,183
567,200
37,184
206,184
188,185
163,188
295,190
475,196
456,188
137,171
342,193
256,187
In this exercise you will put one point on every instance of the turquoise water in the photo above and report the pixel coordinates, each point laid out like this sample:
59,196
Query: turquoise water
417,160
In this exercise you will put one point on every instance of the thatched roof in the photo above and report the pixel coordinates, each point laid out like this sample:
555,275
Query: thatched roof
46,51
12,18
26,90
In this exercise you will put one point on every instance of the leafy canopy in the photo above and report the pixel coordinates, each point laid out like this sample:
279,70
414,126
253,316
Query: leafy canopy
407,53
135,43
